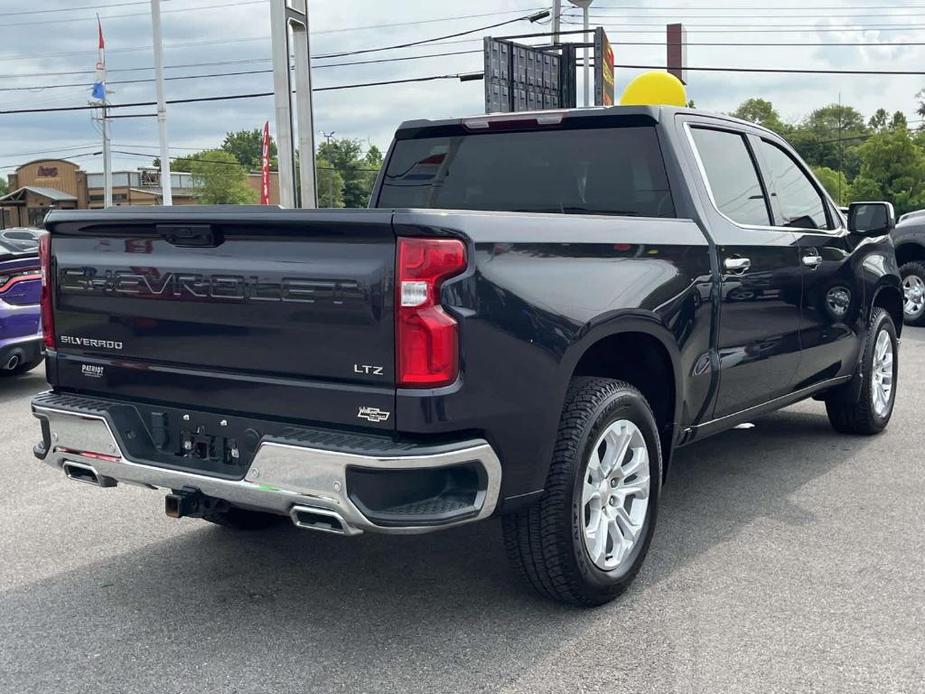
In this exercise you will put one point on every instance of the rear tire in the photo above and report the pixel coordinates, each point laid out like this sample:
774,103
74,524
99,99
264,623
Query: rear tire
913,278
584,541
879,370
242,519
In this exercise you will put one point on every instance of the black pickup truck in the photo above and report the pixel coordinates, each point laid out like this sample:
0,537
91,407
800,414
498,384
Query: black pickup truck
535,313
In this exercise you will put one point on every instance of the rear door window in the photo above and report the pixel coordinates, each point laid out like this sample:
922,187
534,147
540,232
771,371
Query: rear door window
732,176
614,171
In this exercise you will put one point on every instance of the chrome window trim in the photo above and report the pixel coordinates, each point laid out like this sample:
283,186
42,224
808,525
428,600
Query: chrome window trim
688,128
807,171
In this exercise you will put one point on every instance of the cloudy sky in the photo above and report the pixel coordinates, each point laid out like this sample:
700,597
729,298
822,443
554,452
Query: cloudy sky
49,47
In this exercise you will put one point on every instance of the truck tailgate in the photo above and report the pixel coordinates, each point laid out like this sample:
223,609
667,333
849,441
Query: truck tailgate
251,311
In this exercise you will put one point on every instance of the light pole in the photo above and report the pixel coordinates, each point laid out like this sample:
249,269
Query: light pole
585,5
166,190
556,20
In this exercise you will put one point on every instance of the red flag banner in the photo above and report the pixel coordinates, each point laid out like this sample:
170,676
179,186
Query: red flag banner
265,166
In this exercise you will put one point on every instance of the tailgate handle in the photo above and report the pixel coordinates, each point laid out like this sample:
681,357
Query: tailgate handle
189,235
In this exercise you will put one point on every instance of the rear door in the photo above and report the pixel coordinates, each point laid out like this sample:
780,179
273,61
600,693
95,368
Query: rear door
758,335
253,311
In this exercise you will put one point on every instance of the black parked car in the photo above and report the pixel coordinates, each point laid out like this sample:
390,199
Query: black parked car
909,238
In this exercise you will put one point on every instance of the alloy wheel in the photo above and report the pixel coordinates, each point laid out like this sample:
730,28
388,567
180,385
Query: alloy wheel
615,495
913,296
882,374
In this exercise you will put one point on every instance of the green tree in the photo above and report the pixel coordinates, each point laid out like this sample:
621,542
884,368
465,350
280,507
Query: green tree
834,182
762,112
358,170
4,187
879,120
892,169
831,136
330,184
246,146
220,179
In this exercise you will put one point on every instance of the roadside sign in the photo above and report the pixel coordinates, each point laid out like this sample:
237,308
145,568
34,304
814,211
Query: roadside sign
603,69
521,78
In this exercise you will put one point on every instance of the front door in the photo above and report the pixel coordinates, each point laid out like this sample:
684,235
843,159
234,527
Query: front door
758,340
833,290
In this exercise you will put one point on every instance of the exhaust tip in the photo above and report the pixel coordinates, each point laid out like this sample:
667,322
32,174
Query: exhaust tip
322,520
82,473
11,363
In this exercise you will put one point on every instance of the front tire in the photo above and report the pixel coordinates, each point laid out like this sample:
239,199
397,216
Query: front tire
584,541
913,278
879,370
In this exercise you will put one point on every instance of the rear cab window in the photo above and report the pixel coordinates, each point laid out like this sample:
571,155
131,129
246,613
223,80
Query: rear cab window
608,171
732,176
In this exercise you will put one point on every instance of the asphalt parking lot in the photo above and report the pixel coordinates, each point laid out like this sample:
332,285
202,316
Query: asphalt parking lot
787,558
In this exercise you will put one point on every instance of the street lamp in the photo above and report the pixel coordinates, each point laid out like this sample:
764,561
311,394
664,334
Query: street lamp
585,5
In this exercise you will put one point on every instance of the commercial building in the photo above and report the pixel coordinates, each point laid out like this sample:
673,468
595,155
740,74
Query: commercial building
39,186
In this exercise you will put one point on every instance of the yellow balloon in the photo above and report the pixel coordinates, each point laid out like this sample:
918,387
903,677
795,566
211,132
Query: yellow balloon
654,89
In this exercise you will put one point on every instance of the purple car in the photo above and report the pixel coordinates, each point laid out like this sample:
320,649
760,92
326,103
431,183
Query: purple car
20,294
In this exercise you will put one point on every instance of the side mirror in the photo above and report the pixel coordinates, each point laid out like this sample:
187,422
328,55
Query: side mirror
871,218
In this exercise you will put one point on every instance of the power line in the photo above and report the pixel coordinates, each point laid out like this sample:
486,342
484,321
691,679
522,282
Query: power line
717,44
753,16
785,71
140,47
723,25
53,149
809,71
73,9
238,73
774,29
419,21
532,17
727,8
434,40
195,8
110,70
70,156
227,97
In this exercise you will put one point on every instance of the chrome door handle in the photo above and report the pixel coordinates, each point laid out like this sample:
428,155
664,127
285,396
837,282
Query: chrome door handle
812,261
737,265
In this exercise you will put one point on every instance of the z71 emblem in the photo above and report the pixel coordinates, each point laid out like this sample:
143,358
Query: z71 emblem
373,414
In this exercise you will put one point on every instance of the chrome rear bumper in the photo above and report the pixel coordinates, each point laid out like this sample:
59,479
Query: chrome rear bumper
308,484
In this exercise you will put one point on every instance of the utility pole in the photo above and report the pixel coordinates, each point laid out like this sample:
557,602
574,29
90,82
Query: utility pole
166,190
586,56
286,16
327,138
556,20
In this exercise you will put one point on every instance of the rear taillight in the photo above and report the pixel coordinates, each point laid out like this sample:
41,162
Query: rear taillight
426,337
48,321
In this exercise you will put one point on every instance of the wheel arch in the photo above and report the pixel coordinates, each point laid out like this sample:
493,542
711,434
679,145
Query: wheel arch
889,297
637,348
909,252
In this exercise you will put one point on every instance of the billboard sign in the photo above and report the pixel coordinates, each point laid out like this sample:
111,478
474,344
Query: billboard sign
521,78
603,69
